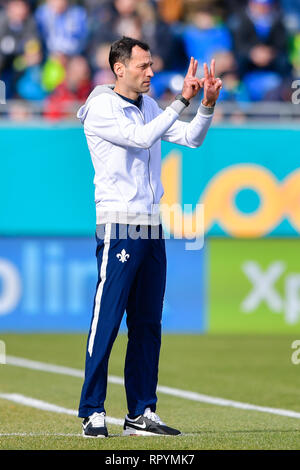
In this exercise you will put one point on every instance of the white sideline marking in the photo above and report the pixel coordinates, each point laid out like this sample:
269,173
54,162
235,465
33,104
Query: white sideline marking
194,396
43,366
37,434
45,406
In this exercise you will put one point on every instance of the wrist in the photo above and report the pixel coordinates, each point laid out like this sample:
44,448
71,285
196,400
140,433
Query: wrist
206,110
208,104
183,99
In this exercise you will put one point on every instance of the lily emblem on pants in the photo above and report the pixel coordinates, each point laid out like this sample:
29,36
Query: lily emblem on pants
123,256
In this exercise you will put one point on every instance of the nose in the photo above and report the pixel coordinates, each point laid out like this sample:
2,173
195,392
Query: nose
150,72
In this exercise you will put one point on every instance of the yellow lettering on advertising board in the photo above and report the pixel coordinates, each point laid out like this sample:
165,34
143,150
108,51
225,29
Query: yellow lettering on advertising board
279,200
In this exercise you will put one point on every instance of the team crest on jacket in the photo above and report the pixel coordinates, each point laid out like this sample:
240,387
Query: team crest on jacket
123,256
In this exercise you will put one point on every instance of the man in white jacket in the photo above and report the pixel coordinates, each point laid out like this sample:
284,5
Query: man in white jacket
124,128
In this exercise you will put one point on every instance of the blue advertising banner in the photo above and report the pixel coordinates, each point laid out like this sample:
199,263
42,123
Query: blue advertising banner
48,284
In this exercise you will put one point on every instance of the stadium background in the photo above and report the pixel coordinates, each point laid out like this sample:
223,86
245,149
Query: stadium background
246,278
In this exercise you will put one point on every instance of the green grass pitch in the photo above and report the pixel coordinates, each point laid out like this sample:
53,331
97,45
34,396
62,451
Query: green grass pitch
255,369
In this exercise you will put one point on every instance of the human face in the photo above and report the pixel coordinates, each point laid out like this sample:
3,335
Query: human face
134,77
58,6
17,11
260,9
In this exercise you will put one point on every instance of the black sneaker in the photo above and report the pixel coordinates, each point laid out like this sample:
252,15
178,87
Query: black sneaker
148,424
94,426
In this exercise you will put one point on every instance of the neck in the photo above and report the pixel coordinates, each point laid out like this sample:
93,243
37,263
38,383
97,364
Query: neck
124,91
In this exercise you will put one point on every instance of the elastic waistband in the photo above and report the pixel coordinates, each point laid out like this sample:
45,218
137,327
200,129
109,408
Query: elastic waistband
130,218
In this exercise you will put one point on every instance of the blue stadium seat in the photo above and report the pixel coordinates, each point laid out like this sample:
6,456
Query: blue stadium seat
260,83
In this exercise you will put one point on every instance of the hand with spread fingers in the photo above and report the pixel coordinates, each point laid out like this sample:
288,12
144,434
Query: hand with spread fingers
191,84
211,85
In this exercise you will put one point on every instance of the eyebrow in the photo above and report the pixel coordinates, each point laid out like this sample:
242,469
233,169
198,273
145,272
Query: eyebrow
145,63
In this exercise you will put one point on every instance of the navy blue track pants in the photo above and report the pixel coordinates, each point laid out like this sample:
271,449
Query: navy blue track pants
131,276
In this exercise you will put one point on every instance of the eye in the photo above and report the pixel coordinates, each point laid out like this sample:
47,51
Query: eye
145,66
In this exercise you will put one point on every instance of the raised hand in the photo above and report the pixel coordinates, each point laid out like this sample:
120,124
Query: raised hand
211,85
191,84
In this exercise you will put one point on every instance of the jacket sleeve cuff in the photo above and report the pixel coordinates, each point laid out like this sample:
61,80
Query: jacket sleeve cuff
178,106
206,110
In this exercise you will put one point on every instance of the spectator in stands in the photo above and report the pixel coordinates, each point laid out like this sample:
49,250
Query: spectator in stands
102,73
54,71
137,19
63,27
171,11
16,28
29,84
105,20
260,41
233,88
75,88
158,35
205,35
291,15
291,18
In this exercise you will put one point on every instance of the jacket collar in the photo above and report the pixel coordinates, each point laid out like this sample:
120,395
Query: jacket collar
99,89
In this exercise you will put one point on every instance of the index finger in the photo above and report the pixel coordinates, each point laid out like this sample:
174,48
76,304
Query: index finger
212,68
206,72
191,67
195,68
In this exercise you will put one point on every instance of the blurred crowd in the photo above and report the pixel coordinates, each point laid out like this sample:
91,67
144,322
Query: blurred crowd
55,52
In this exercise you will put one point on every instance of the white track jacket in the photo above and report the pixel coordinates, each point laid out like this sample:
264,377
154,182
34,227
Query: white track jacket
125,147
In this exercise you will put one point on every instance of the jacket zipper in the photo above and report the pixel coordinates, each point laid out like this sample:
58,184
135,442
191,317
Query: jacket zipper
149,157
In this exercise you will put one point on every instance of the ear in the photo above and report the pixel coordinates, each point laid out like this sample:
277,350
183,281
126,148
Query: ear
119,69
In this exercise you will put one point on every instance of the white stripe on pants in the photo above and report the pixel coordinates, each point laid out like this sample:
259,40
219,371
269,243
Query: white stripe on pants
100,287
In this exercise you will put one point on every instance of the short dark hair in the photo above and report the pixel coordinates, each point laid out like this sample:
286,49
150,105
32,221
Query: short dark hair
121,50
